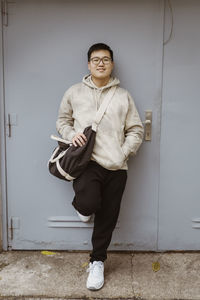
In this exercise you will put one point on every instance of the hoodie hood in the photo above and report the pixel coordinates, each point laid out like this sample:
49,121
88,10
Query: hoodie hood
88,81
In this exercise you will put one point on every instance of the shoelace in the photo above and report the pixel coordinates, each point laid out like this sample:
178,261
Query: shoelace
95,268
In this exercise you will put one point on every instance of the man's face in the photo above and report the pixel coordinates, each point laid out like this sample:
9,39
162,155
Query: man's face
104,68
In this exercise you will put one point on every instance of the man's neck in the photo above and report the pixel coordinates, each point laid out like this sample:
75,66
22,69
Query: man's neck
100,82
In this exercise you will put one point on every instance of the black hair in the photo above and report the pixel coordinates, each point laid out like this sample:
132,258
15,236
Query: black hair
99,46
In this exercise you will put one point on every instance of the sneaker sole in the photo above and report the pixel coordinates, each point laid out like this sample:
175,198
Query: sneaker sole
94,288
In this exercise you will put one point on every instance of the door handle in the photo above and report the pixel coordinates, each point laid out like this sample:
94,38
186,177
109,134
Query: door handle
148,125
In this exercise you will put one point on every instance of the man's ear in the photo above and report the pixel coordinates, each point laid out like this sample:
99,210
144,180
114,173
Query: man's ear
88,65
113,65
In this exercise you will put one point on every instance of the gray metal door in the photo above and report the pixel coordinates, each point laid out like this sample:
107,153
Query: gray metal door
179,221
45,46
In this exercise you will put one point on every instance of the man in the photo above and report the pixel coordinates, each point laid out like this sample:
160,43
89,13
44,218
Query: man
100,188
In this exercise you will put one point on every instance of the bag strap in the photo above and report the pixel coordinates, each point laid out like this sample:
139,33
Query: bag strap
59,139
103,107
98,116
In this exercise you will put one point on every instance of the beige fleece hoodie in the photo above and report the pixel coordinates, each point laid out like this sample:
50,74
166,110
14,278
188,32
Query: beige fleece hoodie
120,132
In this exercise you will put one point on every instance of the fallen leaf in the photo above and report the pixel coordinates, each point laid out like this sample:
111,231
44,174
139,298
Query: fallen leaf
47,253
84,265
156,266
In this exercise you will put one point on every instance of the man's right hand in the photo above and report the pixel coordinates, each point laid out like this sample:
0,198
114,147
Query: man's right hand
79,139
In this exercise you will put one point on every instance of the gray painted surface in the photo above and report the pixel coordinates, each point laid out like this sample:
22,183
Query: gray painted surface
45,53
179,208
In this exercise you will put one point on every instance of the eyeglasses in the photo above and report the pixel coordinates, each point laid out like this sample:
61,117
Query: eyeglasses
96,60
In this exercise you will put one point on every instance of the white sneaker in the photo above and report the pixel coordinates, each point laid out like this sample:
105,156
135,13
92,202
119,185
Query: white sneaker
83,218
95,278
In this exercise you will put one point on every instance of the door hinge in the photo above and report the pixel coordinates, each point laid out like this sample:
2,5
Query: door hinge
11,229
11,121
14,224
4,11
9,126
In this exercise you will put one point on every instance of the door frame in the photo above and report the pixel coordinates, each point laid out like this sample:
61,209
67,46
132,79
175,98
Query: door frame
3,174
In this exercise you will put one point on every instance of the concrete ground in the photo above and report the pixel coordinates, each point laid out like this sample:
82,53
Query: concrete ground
62,275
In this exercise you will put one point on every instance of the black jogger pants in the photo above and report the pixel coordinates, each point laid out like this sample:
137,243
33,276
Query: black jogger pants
100,191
